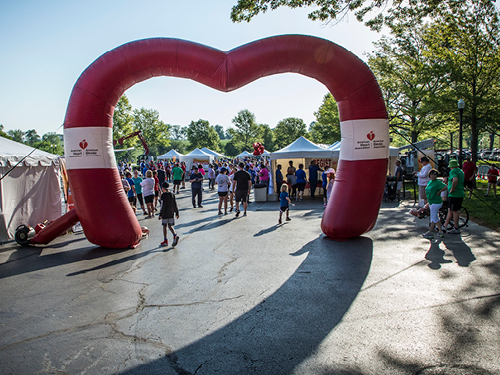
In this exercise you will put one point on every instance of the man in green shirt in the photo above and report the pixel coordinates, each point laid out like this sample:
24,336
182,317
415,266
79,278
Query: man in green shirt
177,173
455,195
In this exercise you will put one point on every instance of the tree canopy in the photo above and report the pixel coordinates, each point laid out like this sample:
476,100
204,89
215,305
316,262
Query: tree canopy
200,134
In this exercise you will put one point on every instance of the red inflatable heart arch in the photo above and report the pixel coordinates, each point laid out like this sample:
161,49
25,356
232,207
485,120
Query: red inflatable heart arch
100,203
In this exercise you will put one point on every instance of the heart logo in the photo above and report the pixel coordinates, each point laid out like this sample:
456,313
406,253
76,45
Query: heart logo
83,144
370,136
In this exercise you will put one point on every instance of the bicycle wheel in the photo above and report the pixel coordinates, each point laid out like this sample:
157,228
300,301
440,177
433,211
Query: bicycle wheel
463,219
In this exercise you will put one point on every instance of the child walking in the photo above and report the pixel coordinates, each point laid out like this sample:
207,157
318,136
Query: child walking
284,203
167,211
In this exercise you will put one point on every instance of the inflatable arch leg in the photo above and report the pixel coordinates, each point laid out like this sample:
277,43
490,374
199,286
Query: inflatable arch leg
100,202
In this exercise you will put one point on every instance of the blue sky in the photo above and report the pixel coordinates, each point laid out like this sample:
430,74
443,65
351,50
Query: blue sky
46,45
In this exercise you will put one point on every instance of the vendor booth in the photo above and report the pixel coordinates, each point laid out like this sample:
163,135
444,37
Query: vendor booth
196,157
302,151
31,192
172,154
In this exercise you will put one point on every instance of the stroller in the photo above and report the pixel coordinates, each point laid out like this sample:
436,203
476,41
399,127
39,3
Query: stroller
390,192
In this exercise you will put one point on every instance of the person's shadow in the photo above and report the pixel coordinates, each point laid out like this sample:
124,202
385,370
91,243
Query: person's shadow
462,253
436,256
283,330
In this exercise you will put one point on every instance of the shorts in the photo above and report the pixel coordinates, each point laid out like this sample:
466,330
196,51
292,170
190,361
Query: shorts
157,193
455,204
301,186
149,198
177,182
399,185
284,208
132,199
170,221
469,184
434,209
222,193
241,196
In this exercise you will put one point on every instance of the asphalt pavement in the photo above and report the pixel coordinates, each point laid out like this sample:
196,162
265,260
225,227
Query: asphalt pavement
248,296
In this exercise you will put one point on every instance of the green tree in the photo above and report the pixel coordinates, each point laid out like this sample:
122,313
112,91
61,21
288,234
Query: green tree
16,135
154,130
266,136
2,133
220,130
178,133
233,148
336,10
31,137
47,146
123,122
246,129
412,82
53,138
288,130
200,134
466,38
326,128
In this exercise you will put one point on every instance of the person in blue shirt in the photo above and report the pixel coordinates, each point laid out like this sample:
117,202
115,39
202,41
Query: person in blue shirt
301,181
313,177
196,180
279,178
284,202
324,185
131,194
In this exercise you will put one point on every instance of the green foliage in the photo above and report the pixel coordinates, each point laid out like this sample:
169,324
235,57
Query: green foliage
288,130
233,147
466,39
327,127
47,146
246,129
31,137
16,135
123,122
220,131
266,136
154,130
2,133
200,134
178,133
368,11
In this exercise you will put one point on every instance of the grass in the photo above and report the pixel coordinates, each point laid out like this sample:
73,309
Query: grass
482,209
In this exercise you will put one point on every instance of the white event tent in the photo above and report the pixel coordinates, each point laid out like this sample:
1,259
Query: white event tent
170,155
197,157
244,154
31,192
210,152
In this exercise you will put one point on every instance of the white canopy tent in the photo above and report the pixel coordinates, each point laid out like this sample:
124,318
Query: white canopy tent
302,151
170,155
197,157
244,154
210,152
31,192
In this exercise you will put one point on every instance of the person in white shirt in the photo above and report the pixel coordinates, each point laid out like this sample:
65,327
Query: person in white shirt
423,179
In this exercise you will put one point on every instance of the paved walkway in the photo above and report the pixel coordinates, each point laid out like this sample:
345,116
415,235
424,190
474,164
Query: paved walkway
246,296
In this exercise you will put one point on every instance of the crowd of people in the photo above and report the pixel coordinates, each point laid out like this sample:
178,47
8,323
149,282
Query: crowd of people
148,186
